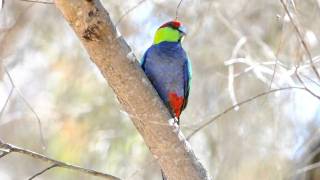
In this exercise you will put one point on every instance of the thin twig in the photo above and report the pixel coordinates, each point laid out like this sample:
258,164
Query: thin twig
128,12
304,44
238,105
277,56
29,106
241,42
307,168
43,171
177,9
4,154
310,79
6,102
35,1
305,86
44,158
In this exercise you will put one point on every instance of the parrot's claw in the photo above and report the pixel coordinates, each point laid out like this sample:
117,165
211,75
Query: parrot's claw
174,124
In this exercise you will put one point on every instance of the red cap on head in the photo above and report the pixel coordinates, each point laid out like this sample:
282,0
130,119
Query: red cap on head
174,24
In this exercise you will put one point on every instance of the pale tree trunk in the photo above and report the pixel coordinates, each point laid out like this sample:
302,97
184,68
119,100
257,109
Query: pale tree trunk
92,24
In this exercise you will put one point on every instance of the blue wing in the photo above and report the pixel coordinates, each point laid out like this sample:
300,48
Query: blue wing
143,60
187,69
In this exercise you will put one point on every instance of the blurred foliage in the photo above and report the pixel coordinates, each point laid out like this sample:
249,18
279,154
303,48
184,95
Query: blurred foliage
83,124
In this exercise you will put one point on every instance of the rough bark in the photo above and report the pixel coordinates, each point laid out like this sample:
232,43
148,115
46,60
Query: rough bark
92,24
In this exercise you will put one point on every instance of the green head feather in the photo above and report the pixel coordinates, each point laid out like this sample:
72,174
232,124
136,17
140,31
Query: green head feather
167,34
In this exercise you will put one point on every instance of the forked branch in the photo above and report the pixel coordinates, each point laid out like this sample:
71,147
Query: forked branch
8,148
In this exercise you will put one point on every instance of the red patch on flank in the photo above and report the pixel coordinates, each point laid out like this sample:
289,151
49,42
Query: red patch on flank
176,103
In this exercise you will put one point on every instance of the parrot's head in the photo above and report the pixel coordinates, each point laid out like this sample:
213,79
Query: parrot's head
172,31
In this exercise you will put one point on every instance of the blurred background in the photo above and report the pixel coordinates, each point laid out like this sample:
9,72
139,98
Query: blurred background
238,49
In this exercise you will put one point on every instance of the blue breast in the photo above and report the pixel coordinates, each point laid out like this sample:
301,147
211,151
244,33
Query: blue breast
164,64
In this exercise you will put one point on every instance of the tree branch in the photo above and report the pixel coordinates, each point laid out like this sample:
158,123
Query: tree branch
304,44
4,154
306,169
43,171
304,85
205,124
36,1
128,12
112,55
14,87
8,148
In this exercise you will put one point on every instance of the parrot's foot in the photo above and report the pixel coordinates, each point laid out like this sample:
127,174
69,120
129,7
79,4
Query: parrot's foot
176,120
174,123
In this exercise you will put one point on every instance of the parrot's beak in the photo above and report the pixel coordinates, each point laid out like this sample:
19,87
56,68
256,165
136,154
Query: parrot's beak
182,30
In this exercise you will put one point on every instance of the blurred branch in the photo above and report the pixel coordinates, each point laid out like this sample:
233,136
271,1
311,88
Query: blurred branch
4,154
14,87
128,12
287,71
304,44
281,42
6,148
6,102
308,150
205,124
307,168
12,33
310,79
305,86
40,2
119,66
237,33
241,42
177,9
43,171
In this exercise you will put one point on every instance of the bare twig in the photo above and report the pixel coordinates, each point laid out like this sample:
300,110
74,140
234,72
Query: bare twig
304,44
43,171
310,79
231,86
177,10
238,105
11,33
128,12
34,155
29,106
6,102
4,154
305,86
307,168
40,2
277,56
241,42
236,32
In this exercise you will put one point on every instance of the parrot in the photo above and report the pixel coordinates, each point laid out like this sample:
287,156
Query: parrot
168,68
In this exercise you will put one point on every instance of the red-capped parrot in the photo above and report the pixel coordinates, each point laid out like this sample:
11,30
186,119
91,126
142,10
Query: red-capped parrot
167,66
